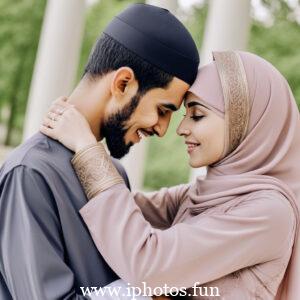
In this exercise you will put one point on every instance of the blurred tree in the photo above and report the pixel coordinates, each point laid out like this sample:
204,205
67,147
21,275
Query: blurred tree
279,42
20,24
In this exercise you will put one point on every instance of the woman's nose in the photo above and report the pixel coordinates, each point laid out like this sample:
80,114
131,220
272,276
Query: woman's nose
182,130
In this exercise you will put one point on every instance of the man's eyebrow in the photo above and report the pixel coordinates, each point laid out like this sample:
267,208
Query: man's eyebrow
170,106
194,103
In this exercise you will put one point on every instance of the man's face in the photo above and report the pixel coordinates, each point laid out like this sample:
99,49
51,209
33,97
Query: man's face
142,116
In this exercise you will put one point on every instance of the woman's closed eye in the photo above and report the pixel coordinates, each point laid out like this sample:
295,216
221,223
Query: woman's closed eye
195,117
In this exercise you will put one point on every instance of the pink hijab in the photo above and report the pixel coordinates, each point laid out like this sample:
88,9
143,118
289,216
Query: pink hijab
262,148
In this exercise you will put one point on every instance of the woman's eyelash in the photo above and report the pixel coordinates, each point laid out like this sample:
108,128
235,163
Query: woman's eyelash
195,118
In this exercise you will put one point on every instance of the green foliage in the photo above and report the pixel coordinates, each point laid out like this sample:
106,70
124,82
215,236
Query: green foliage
280,45
20,23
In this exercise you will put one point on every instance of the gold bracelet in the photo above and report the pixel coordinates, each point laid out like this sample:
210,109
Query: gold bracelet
95,170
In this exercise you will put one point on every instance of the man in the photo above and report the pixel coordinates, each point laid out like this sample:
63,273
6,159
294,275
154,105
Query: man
136,76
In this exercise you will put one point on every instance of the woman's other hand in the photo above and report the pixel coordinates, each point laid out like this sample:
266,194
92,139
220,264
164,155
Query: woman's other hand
64,123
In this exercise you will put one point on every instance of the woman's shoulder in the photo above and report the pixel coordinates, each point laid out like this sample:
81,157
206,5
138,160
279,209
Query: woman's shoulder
271,200
270,215
270,207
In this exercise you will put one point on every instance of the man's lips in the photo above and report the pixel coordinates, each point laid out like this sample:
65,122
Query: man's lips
142,133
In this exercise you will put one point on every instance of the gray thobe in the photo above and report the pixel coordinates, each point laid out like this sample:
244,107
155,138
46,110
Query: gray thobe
46,251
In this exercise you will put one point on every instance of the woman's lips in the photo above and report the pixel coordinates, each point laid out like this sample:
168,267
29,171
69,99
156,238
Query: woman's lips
191,146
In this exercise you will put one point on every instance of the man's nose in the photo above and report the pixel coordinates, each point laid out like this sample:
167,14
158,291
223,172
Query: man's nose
159,131
161,127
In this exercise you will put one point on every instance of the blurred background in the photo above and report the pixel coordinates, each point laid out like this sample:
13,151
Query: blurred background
37,36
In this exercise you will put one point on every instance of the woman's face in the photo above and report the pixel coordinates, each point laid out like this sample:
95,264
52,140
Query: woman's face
204,133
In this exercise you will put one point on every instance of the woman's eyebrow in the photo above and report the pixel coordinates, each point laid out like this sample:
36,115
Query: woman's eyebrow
194,103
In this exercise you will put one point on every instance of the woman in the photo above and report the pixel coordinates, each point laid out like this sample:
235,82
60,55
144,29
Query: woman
236,229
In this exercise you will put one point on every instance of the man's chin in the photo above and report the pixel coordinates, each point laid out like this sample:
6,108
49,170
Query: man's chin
118,151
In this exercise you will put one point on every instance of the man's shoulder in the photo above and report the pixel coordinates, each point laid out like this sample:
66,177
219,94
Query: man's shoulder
47,157
39,153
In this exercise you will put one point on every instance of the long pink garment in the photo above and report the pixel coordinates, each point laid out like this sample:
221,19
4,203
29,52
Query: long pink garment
252,233
237,226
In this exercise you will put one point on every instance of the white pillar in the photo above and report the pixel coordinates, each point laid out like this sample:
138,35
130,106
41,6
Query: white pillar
57,58
227,28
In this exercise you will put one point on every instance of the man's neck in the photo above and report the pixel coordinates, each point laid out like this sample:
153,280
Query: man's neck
90,99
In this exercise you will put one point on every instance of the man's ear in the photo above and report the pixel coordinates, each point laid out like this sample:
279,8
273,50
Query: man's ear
124,83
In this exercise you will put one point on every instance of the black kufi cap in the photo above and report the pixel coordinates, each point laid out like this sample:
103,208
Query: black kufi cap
158,37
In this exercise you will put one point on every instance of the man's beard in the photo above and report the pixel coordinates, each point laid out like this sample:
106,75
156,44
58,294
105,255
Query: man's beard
113,129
